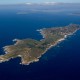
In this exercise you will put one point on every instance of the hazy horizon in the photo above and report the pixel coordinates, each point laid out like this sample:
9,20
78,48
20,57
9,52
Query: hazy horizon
36,1
28,3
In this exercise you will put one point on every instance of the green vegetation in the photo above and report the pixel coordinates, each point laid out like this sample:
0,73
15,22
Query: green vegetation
31,50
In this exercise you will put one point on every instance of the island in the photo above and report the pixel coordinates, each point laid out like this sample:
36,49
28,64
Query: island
30,50
76,14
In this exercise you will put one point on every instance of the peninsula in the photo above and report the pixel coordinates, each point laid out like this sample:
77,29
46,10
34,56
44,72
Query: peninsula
30,50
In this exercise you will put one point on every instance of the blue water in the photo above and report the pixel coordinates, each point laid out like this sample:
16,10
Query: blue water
61,62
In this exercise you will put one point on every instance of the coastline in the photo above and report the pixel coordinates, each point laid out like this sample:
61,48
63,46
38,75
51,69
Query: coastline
41,31
58,41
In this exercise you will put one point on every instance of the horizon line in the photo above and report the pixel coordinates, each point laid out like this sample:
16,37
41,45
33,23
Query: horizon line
39,3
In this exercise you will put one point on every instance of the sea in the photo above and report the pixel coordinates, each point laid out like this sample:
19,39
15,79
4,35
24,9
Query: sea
61,62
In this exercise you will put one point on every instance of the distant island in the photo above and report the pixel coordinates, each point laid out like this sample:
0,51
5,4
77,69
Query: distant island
30,50
76,14
22,12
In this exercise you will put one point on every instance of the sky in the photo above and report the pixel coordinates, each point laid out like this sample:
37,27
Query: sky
36,1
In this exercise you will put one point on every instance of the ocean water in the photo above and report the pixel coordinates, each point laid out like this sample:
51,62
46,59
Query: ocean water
61,62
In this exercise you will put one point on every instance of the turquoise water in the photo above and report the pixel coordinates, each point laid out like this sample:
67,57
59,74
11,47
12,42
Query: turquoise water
61,62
